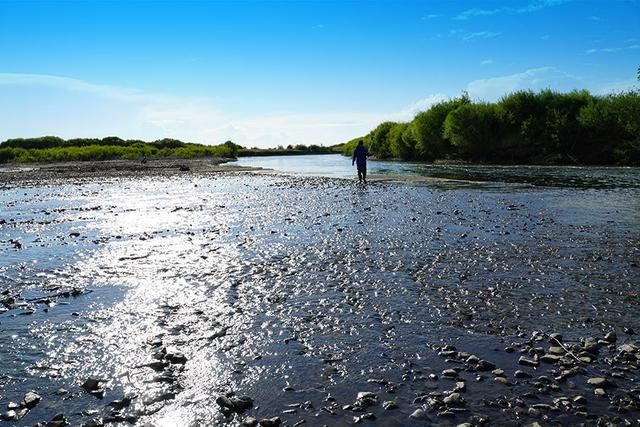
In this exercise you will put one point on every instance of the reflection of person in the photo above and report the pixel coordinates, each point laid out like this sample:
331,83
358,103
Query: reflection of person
360,159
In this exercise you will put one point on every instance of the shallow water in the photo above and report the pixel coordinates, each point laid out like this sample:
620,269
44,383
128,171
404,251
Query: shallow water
338,166
303,292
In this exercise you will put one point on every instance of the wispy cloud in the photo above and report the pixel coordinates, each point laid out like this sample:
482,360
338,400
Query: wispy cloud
466,35
532,6
472,13
487,62
611,49
78,108
481,35
71,84
534,79
430,16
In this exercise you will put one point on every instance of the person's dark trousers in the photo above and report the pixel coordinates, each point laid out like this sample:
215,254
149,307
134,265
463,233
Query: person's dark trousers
362,172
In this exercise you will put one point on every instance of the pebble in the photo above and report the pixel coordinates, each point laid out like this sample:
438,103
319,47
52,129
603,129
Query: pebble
271,422
551,358
450,373
503,380
250,422
555,337
389,405
419,414
484,365
473,359
237,404
522,374
363,417
598,382
454,399
556,350
580,399
527,362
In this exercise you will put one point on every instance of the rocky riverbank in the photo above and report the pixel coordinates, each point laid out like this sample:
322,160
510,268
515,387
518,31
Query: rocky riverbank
208,297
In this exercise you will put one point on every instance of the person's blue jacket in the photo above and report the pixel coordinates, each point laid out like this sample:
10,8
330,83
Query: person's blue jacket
360,155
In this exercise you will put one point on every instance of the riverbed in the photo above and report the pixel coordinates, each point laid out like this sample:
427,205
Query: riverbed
234,297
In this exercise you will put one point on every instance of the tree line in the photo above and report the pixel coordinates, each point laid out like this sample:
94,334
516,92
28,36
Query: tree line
524,127
54,149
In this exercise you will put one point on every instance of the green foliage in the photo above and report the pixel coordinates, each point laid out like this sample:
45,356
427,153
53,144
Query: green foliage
349,147
290,150
54,149
523,127
473,130
427,129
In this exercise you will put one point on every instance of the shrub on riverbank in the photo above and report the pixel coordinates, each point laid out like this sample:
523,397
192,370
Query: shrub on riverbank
523,127
54,149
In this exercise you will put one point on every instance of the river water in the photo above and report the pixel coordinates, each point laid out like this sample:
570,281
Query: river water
300,292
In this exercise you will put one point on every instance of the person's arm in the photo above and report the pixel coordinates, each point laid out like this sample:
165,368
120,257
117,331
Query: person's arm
353,158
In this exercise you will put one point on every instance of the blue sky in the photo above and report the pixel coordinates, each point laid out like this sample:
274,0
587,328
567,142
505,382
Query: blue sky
264,73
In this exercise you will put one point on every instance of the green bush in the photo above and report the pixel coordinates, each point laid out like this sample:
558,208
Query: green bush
546,127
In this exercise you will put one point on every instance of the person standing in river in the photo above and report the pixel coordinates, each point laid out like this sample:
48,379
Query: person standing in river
360,159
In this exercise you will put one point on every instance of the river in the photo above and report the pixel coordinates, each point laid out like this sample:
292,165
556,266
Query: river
326,303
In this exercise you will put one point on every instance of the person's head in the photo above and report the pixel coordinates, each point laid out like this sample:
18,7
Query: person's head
360,142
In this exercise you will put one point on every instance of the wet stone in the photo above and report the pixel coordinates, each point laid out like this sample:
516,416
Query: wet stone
599,392
527,361
556,350
58,420
237,404
503,380
522,374
364,417
250,422
30,400
9,415
454,399
450,373
580,399
555,337
598,382
484,365
550,358
270,422
389,405
419,414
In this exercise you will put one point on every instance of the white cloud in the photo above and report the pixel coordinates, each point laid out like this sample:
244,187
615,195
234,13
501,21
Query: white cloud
423,104
487,62
471,13
535,79
67,83
75,108
532,6
612,49
480,34
430,16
